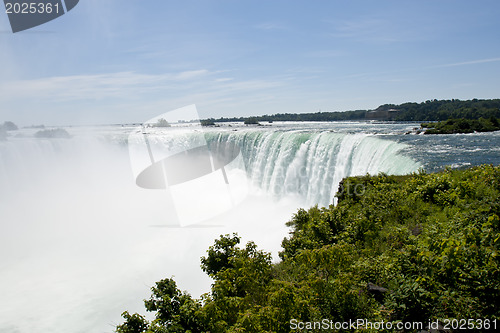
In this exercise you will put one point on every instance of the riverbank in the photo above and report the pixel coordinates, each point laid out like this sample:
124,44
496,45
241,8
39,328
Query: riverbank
454,126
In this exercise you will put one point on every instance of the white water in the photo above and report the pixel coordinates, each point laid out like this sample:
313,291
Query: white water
311,164
80,242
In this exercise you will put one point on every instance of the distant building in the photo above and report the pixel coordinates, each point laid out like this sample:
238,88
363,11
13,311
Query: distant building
382,113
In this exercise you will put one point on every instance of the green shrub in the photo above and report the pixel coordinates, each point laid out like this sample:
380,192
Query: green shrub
408,248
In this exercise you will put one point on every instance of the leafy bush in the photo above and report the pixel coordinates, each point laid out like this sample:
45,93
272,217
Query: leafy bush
452,126
161,123
407,248
208,122
9,126
53,133
251,121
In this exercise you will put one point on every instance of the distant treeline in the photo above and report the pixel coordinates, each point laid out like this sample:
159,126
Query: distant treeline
9,126
447,109
318,116
431,110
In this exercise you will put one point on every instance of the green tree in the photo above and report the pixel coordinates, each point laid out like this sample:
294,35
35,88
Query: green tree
413,248
175,311
133,324
10,126
161,123
220,255
208,122
251,121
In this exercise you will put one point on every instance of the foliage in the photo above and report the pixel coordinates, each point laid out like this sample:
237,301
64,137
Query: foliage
6,127
175,311
9,126
220,255
251,121
161,123
133,323
451,126
438,110
53,133
207,122
431,110
395,248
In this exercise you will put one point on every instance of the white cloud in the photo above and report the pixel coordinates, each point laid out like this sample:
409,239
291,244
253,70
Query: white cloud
187,75
381,29
224,79
128,85
472,62
96,86
131,96
374,30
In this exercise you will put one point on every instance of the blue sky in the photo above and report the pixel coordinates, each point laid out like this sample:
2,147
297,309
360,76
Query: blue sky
121,61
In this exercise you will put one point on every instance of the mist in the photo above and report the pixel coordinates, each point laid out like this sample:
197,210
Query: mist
81,243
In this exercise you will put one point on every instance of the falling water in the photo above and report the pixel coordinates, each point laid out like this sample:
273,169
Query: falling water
311,164
81,243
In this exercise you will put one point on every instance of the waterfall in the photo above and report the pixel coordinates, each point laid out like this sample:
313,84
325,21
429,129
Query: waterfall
81,242
312,164
308,164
